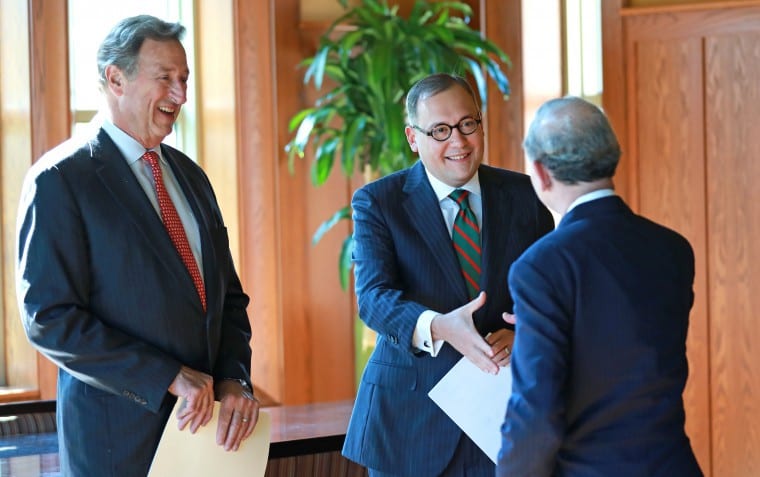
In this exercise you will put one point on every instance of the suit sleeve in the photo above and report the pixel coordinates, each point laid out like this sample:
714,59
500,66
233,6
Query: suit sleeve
54,285
234,358
535,419
378,281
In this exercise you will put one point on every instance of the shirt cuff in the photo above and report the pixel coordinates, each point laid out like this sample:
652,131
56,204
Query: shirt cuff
423,337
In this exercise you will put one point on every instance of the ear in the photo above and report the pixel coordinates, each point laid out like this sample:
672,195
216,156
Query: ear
411,138
544,176
114,80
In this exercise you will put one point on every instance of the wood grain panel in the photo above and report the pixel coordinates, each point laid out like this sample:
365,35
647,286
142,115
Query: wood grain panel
257,182
504,119
672,23
330,317
294,235
317,314
614,94
733,149
671,179
51,113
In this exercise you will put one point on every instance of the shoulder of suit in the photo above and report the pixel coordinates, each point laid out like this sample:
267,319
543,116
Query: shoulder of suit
67,154
502,174
394,179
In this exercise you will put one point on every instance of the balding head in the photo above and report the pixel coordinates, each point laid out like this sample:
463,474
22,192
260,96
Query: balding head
573,139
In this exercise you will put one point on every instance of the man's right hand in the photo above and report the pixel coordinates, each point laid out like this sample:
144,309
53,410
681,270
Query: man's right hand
457,329
197,391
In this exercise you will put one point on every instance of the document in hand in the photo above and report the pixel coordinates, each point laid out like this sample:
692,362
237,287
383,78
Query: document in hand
191,455
476,402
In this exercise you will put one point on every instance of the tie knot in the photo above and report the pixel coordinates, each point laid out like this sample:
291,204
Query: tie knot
460,197
151,157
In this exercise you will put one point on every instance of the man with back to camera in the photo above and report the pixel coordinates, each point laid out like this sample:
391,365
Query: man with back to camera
602,310
124,275
433,244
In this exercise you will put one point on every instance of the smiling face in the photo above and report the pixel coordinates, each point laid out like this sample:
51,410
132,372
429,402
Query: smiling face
455,160
146,105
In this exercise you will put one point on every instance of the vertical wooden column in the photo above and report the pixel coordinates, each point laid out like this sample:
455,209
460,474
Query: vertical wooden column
614,98
303,322
51,113
502,24
257,180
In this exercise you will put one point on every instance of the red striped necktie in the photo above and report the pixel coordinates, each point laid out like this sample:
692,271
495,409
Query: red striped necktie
174,226
466,238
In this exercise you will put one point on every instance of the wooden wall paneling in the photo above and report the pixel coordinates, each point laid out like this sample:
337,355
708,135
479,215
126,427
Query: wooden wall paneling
692,98
257,151
733,148
318,313
292,211
329,313
51,113
614,95
504,119
671,179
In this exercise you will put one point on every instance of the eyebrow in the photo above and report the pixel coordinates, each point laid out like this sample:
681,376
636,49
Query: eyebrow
473,116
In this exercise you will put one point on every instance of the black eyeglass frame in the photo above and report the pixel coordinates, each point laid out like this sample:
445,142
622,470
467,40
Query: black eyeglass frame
451,127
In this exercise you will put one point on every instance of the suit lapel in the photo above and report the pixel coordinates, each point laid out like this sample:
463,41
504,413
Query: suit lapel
422,206
193,194
120,181
494,233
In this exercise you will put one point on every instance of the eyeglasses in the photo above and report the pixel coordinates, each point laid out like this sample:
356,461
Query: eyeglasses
442,131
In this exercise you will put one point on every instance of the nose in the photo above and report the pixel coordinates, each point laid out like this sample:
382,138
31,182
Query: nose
178,92
457,137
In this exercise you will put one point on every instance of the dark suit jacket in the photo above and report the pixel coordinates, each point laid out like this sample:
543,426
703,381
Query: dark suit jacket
599,360
104,294
405,263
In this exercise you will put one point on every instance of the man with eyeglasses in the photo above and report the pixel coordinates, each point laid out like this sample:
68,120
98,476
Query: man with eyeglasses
433,245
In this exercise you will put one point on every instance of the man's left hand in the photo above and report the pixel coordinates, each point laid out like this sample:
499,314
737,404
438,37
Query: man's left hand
501,342
238,414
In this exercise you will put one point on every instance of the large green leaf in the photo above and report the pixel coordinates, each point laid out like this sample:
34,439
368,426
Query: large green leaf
343,213
323,161
344,261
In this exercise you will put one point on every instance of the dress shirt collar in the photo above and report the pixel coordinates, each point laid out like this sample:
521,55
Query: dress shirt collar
589,196
442,190
127,145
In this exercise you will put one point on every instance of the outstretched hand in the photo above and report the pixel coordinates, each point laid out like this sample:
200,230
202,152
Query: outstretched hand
457,329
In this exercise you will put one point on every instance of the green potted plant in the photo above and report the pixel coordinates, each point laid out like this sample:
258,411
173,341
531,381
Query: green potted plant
372,56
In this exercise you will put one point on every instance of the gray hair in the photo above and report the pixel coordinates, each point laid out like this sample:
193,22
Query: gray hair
574,140
121,47
430,86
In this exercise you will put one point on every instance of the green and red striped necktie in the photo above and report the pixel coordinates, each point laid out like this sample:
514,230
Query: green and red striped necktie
466,238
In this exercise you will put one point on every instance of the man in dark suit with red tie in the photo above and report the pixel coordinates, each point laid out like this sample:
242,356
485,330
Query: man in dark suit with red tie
433,246
124,275
602,308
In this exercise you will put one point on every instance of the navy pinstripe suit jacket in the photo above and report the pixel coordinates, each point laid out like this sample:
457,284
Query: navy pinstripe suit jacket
104,294
599,359
404,264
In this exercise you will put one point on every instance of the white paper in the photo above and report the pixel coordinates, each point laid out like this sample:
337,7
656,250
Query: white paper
191,455
476,401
